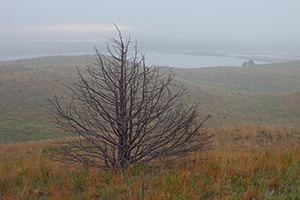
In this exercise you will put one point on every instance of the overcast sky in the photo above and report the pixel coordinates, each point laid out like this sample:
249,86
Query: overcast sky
251,23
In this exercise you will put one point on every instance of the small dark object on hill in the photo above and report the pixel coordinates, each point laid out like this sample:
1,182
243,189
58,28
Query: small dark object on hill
248,63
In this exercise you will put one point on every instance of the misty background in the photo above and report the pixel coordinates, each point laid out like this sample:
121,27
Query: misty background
175,33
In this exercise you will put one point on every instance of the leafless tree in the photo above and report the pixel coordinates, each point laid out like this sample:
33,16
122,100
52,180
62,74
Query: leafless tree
123,112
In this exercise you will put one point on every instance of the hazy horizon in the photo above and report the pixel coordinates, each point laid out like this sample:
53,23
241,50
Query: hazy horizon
215,25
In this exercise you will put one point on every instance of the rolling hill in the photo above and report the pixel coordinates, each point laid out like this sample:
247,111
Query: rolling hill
263,94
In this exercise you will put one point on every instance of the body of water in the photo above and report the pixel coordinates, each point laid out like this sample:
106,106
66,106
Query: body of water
183,60
171,58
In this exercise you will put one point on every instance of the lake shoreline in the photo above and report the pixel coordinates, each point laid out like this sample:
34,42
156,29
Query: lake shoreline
159,56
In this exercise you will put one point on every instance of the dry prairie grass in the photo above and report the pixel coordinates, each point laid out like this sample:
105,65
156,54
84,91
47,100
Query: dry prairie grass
249,162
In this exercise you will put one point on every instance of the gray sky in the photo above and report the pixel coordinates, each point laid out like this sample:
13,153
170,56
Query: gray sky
253,24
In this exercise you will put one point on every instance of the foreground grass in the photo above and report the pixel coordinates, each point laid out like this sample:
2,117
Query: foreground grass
248,162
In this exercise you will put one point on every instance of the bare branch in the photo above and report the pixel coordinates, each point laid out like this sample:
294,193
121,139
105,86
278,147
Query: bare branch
124,112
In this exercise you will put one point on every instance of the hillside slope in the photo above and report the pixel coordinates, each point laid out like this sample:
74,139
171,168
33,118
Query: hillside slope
264,94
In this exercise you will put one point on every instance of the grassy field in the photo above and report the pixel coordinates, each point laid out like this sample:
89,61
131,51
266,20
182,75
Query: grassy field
260,160
248,162
264,94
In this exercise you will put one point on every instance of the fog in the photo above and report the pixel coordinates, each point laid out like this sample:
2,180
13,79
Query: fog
248,25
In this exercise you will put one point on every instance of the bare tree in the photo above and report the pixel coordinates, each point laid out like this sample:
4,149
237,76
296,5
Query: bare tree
123,112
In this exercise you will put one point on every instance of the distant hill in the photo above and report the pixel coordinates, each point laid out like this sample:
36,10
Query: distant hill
261,94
